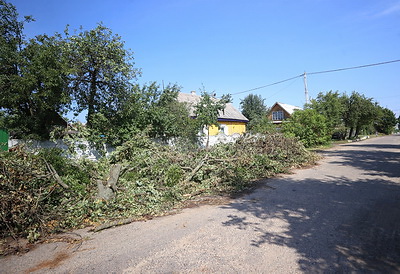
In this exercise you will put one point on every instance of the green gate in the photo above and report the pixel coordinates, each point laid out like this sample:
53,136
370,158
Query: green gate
3,139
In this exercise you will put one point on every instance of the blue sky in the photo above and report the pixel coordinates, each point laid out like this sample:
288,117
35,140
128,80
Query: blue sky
229,46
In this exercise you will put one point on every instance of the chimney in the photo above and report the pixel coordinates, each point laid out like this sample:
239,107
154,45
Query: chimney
193,92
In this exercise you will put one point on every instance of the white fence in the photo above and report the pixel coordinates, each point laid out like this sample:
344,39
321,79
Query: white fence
84,150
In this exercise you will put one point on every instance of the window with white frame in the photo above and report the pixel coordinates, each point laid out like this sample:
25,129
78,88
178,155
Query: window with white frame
277,115
223,129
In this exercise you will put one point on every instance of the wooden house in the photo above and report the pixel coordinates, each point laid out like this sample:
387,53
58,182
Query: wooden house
231,120
280,112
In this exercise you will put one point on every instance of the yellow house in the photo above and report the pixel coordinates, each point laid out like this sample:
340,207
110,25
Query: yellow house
231,120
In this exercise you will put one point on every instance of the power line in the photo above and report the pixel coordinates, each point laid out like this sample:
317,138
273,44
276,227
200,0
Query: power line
317,72
357,67
301,75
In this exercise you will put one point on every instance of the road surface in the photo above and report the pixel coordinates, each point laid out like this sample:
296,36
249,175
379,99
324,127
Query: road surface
342,215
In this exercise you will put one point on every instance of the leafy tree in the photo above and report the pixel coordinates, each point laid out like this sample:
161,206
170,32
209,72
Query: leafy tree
146,109
331,105
360,113
11,41
207,110
386,121
32,81
253,107
309,126
398,122
100,70
261,125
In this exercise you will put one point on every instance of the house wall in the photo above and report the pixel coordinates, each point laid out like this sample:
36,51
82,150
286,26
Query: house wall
229,128
277,108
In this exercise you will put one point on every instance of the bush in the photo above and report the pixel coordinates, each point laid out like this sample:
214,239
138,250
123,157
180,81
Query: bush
309,126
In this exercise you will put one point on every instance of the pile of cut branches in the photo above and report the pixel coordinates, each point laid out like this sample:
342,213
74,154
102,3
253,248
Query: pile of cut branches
34,198
44,192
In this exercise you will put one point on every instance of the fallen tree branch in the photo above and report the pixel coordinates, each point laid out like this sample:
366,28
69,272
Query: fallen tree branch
223,159
114,223
55,175
195,170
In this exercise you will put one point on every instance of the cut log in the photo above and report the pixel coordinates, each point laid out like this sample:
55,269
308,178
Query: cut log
107,190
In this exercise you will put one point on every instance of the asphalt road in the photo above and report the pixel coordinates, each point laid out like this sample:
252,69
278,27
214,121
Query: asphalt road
338,217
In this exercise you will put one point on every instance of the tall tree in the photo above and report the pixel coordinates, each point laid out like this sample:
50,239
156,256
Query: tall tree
100,69
32,81
207,111
253,107
11,44
331,105
360,112
386,121
11,40
398,122
149,109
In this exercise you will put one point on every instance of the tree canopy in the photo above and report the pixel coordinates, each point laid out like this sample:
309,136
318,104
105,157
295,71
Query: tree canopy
100,69
331,106
309,126
207,110
352,115
32,78
386,121
253,107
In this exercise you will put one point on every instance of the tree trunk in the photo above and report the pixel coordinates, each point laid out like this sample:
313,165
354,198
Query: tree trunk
91,97
208,137
107,190
351,132
358,129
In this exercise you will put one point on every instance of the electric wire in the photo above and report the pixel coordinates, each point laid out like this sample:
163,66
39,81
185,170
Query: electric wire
317,72
301,75
357,67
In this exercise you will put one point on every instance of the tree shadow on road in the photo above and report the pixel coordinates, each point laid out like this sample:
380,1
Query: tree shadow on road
334,224
373,162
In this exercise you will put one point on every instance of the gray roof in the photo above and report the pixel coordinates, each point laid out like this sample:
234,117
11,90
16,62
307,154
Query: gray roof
229,113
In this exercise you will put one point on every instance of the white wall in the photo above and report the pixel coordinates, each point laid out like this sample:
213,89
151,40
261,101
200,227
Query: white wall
82,148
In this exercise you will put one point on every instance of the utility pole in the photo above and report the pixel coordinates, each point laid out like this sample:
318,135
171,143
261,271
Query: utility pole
305,87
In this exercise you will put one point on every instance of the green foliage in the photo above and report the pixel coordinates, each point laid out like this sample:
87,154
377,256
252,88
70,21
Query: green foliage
154,179
32,202
309,126
261,125
360,113
32,78
398,122
352,115
386,121
147,109
331,105
99,70
207,110
253,107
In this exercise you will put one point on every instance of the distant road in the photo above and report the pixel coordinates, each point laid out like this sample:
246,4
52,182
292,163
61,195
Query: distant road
340,216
